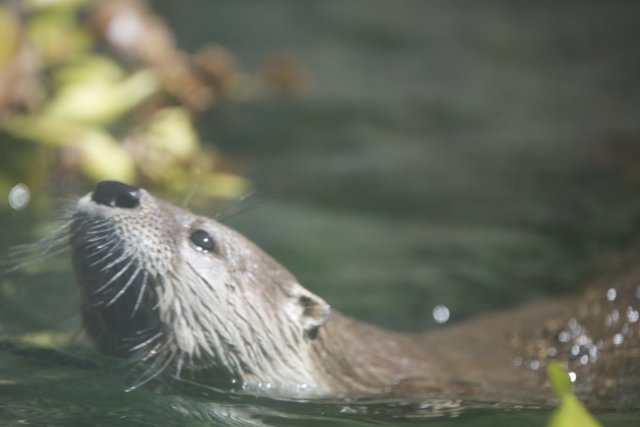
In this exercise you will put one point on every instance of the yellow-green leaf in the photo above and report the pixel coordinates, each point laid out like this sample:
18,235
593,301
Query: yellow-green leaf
43,130
39,5
559,378
171,130
103,158
57,36
88,67
570,413
224,185
100,101
9,30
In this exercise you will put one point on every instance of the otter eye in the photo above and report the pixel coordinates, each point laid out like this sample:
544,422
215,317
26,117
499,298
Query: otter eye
202,240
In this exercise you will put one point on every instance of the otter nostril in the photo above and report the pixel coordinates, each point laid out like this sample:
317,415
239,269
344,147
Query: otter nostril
116,194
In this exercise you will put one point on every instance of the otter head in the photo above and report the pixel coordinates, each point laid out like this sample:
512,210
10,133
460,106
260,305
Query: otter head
163,285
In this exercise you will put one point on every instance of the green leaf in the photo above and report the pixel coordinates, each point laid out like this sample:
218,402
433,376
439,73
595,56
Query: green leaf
101,156
9,34
570,413
559,378
171,130
57,37
96,91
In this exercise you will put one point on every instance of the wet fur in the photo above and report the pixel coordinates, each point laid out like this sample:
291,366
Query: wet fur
149,294
235,315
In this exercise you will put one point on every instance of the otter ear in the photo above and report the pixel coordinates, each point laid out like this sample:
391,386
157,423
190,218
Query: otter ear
313,312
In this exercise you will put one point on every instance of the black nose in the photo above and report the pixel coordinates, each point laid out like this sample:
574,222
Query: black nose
116,194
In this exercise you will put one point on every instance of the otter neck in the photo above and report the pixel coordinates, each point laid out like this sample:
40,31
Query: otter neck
359,357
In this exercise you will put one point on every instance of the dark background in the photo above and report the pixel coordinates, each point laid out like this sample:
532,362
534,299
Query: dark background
474,154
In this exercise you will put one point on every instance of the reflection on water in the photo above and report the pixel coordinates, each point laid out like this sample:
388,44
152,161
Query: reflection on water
81,388
74,388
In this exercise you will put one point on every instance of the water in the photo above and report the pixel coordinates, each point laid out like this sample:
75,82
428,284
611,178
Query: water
467,155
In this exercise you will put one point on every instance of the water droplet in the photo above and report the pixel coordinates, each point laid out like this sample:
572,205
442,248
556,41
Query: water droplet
573,376
19,196
618,339
572,323
552,352
575,350
584,359
632,315
612,317
517,361
564,336
440,313
582,340
534,365
626,330
612,294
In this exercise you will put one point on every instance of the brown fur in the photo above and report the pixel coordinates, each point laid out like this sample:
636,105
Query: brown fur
236,314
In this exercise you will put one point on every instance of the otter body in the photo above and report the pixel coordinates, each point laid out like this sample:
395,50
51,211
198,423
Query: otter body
184,293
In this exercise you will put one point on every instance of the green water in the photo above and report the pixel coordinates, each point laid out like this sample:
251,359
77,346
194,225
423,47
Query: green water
454,153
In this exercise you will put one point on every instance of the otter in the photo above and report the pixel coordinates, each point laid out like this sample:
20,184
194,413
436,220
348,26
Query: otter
182,293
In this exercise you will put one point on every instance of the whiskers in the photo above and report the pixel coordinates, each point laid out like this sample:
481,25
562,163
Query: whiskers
154,370
246,203
113,267
55,242
153,358
148,346
234,207
123,279
119,291
143,288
